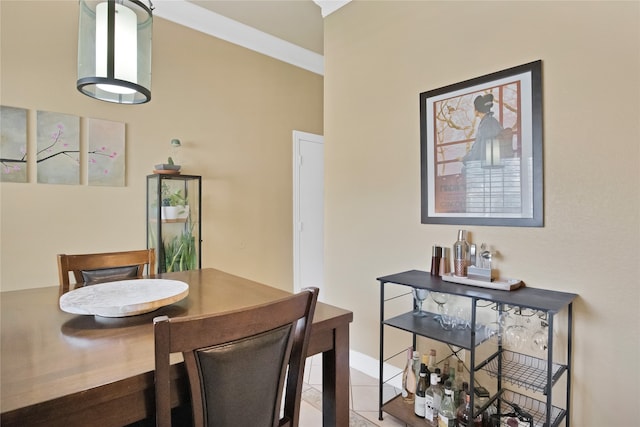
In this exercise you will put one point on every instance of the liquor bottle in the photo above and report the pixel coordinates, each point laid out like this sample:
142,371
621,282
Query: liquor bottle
481,399
416,364
460,254
447,413
440,383
464,414
425,362
432,402
421,393
409,379
440,392
445,372
432,361
464,391
461,377
456,391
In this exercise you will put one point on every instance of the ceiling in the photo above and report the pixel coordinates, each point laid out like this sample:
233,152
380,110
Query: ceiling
297,21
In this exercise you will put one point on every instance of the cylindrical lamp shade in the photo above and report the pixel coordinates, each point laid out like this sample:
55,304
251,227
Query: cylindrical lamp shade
114,50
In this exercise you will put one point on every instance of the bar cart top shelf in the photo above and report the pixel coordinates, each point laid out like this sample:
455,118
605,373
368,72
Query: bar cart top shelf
534,298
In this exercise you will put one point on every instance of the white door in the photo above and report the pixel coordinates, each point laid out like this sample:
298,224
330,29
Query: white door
308,211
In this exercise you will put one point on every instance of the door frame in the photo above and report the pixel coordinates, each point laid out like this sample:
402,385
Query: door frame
298,136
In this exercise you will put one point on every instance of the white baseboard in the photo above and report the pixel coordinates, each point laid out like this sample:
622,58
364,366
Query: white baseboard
370,366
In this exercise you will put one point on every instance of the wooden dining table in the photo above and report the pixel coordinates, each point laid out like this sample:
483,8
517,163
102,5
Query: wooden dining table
81,370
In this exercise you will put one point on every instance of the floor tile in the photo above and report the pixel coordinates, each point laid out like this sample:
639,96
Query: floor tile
309,416
315,371
363,398
388,420
358,379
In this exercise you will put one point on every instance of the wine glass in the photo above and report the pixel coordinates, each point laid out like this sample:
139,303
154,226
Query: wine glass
505,319
516,335
493,332
420,295
440,299
540,338
463,318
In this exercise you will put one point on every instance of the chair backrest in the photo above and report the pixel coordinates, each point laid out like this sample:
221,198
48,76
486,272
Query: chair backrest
237,363
103,267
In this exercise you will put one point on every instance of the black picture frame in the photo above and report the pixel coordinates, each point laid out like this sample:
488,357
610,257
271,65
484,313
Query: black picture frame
499,182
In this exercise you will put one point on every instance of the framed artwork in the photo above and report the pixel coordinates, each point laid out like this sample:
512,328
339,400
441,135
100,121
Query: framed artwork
106,153
13,144
58,140
481,150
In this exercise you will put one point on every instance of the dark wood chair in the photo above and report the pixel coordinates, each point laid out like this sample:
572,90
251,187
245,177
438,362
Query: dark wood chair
89,269
237,363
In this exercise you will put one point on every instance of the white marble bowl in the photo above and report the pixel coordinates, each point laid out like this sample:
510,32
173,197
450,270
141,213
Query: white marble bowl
123,298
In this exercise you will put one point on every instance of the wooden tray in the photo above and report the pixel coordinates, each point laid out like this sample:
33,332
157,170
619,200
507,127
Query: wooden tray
166,172
500,284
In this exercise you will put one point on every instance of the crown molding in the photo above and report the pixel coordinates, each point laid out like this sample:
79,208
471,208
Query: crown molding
329,6
200,19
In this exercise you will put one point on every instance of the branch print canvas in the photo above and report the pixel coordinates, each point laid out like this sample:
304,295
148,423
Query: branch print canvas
13,144
106,153
58,156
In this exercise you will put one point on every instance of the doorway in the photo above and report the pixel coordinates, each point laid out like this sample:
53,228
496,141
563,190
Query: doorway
308,211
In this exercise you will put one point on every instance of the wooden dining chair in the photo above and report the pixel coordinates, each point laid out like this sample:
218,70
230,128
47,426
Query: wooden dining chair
237,363
89,269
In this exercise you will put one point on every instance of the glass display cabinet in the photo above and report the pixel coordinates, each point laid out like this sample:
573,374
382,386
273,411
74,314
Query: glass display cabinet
174,221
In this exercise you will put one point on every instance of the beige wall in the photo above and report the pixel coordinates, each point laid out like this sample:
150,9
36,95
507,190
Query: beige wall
380,55
233,109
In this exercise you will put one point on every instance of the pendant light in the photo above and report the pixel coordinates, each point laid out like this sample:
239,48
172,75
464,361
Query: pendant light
114,50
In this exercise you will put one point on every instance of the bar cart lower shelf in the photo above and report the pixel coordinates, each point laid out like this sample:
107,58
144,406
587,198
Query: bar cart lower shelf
403,411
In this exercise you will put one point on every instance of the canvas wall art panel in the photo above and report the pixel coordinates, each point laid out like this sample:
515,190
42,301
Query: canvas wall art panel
13,144
58,141
106,153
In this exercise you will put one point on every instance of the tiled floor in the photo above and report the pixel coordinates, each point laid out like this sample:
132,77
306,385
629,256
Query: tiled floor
363,398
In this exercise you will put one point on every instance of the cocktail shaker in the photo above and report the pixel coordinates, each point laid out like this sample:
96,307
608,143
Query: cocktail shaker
460,254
